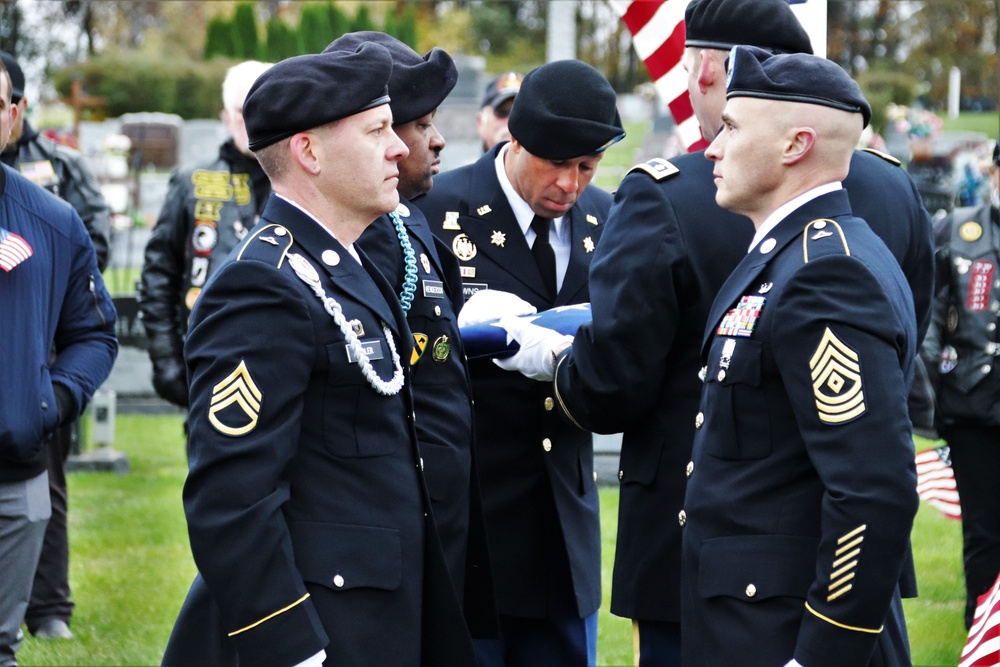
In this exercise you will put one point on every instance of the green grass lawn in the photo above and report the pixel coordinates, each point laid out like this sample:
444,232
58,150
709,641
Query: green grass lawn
130,564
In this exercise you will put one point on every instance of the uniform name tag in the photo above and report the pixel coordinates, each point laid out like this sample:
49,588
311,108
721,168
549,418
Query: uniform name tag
468,289
373,348
433,289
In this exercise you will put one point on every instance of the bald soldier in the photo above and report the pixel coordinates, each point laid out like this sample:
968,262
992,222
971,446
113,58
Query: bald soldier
802,487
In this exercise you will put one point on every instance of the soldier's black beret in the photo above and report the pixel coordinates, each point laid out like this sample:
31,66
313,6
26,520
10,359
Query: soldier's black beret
418,85
565,109
304,92
16,76
723,24
794,77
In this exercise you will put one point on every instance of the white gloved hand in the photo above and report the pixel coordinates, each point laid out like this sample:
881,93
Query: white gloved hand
793,663
490,304
539,347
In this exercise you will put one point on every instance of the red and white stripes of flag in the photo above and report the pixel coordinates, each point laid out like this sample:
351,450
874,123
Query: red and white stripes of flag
13,250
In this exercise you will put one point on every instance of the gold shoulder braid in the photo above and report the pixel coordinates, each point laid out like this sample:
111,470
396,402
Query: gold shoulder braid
307,273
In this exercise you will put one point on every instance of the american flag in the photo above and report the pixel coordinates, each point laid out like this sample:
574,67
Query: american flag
657,28
936,481
13,250
982,649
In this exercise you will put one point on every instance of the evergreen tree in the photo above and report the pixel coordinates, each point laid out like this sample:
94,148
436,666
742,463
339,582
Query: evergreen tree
314,28
339,23
219,39
245,38
407,30
391,26
282,41
362,20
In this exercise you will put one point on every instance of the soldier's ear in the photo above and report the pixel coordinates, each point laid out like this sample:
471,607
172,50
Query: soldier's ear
801,141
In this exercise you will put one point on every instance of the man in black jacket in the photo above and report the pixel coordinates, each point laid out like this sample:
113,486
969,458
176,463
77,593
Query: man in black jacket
208,210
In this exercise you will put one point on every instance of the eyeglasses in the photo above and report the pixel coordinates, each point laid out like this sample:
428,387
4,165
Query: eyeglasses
502,111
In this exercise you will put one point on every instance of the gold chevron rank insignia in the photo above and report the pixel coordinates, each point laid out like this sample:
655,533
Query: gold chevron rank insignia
836,378
239,390
419,345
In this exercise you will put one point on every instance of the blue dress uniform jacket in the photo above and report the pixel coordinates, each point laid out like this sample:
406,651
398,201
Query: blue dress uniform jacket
538,488
306,508
442,399
665,252
802,488
634,368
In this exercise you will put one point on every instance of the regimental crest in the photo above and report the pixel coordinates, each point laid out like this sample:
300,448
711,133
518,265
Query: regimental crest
419,345
235,404
836,376
463,247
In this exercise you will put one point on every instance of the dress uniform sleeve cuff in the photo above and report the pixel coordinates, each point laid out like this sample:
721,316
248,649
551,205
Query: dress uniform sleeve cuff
819,632
287,638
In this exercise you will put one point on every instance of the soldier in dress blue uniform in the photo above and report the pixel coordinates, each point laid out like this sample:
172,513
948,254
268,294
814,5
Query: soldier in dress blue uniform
537,476
665,252
424,273
802,488
306,507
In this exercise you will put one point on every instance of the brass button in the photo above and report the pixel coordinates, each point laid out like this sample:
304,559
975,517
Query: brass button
621,474
699,419
985,368
722,375
437,310
549,403
682,518
547,445
751,590
338,581
690,468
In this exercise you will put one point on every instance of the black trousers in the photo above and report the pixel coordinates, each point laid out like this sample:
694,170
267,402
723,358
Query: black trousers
975,458
50,594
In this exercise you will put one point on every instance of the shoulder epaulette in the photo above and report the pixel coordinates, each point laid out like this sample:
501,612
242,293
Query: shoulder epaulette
658,168
268,244
885,156
823,237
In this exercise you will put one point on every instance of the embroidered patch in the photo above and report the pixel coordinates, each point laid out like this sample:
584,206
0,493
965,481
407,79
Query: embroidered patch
239,390
741,320
836,377
419,345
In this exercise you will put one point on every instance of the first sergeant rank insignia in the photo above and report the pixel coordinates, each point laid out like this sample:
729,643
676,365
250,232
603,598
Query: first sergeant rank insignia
240,392
836,376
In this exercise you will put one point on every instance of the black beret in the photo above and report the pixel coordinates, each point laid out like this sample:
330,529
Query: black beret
723,24
304,92
502,88
565,109
794,77
16,76
418,85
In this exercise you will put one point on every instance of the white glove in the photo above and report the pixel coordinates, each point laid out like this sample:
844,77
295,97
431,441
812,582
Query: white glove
793,663
539,347
490,304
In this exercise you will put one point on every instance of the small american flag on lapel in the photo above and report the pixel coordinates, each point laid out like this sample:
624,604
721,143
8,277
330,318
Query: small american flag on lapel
13,250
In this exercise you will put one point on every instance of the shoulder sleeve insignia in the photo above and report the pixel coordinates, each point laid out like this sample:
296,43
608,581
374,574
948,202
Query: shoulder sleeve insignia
836,377
885,156
658,168
817,231
267,243
235,403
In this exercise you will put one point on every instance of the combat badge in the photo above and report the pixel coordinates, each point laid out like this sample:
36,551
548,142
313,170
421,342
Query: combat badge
419,345
836,376
441,349
463,247
240,391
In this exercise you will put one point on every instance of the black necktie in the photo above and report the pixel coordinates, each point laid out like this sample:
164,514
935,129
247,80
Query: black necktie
545,256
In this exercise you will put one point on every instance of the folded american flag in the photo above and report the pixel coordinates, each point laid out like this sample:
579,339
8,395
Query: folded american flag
489,340
13,250
982,649
936,481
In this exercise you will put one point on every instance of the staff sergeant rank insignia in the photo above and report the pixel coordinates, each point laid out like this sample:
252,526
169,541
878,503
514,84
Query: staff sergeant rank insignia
836,378
240,391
